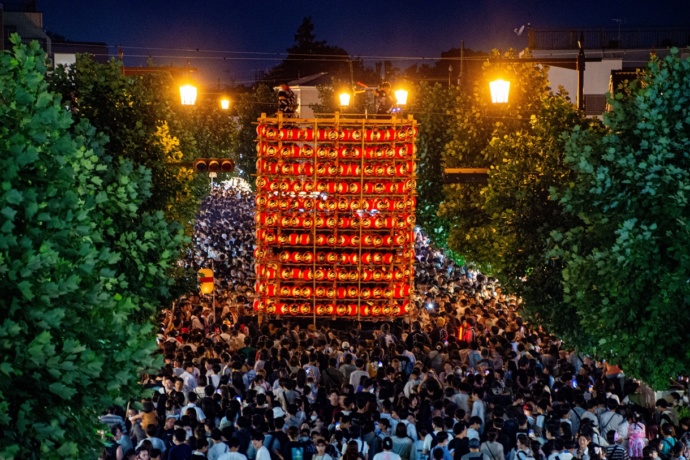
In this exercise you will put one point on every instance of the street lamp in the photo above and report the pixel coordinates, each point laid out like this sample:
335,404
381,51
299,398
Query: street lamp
500,89
188,94
225,103
401,96
577,63
344,99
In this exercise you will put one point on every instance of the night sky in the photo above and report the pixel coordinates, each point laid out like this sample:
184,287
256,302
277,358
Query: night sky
247,36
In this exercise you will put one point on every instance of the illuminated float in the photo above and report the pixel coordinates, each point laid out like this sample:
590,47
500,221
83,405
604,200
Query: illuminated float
335,213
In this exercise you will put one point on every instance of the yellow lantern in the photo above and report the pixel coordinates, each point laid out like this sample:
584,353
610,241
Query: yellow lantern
206,281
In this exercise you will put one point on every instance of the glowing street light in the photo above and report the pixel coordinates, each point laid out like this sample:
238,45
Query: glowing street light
344,99
188,94
225,103
401,96
500,89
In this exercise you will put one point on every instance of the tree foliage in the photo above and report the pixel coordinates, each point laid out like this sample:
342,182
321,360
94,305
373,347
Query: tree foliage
627,266
474,124
80,263
432,106
138,115
309,56
522,212
249,108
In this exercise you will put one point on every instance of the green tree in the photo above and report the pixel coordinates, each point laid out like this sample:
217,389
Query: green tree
250,106
474,124
627,266
522,213
433,106
202,131
138,115
309,56
80,264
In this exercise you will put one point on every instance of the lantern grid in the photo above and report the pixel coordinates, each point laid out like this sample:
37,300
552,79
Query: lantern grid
362,192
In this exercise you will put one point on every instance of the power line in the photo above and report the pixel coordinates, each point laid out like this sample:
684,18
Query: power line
193,53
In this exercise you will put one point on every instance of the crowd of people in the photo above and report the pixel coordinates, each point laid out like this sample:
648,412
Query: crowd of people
461,378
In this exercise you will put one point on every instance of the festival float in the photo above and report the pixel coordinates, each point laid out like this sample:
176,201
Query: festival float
335,216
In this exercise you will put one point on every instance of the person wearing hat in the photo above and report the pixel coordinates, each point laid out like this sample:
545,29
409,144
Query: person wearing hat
474,454
387,453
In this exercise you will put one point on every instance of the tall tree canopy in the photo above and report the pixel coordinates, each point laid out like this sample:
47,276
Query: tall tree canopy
83,266
475,124
505,225
432,106
309,56
627,266
138,114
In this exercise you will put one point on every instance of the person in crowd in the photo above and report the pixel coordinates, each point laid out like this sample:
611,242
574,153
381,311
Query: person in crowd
287,100
384,99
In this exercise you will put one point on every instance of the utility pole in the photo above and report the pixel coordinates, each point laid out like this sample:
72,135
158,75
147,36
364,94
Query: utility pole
580,66
462,58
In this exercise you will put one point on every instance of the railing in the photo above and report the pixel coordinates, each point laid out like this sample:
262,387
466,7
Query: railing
610,38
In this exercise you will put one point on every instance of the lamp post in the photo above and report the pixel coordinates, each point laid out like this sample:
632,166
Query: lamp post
188,94
225,103
577,63
500,90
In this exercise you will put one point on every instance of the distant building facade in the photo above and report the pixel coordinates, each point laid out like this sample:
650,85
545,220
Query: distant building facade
23,18
621,50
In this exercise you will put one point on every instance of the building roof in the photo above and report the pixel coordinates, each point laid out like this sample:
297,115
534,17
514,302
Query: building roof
311,80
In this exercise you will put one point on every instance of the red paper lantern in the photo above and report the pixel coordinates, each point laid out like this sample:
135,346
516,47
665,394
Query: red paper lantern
306,151
271,133
305,134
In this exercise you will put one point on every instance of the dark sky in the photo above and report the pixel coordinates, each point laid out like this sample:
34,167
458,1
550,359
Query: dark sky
248,35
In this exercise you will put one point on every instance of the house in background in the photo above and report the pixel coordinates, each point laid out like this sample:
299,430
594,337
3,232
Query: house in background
617,50
22,17
307,93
